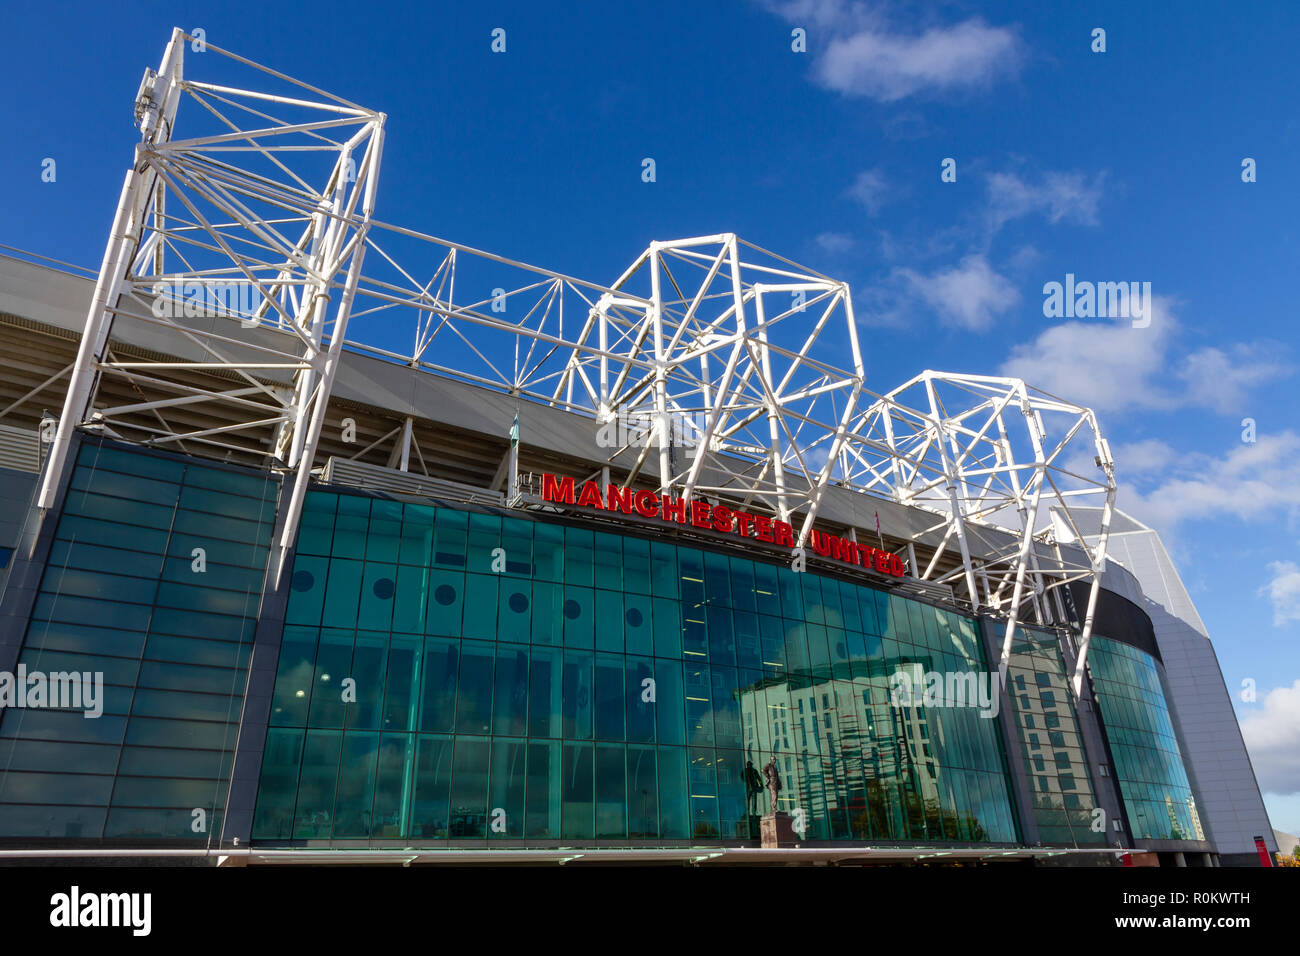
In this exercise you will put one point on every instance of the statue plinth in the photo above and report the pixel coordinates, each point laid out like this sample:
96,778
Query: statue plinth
777,831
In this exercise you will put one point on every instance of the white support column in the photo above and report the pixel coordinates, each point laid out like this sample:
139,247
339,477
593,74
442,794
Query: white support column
1027,516
329,367
1098,564
157,112
404,462
950,485
662,425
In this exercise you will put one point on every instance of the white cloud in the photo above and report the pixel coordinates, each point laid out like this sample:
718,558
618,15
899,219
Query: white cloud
834,241
891,66
869,189
824,14
1283,590
867,56
1023,259
1110,366
1223,378
1272,735
1068,197
1103,364
1250,482
1143,457
970,296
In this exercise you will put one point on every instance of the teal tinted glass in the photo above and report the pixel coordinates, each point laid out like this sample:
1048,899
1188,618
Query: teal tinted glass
537,681
1130,688
153,583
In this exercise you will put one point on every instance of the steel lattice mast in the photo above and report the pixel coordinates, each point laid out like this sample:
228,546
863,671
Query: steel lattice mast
258,203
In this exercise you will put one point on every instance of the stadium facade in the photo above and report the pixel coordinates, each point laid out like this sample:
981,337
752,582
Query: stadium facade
542,590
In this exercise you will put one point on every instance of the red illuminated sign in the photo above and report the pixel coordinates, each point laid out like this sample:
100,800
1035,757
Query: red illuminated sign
720,518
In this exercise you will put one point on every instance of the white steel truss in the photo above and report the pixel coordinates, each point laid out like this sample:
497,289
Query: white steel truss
988,451
714,350
226,224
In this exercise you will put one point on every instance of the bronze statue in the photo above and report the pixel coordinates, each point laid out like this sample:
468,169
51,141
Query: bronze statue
773,781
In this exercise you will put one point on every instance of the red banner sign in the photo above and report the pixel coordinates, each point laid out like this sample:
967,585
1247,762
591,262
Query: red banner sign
720,518
1265,858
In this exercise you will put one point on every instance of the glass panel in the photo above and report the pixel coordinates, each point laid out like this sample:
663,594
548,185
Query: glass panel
579,545
579,617
514,619
410,599
294,677
314,817
394,774
517,539
663,571
640,696
548,613
333,662
548,551
384,533
610,698
636,565
767,593
608,561
577,792
609,621
441,668
722,636
474,696
637,624
450,538
670,702
484,539
469,809
546,693
611,792
350,527
368,665
674,803
642,793
307,591
510,705
432,787
542,809
481,603
507,791
446,603
353,817
416,545
668,628
278,785
577,701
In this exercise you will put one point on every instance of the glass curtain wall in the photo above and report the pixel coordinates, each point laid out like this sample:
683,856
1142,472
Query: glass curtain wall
1158,797
463,675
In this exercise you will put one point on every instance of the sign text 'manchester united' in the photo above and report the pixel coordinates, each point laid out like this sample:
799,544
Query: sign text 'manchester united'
700,514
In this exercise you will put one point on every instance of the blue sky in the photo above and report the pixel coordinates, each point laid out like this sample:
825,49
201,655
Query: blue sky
1122,165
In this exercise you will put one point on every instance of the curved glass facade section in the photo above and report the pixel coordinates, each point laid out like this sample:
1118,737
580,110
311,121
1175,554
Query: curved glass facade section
448,675
1158,798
